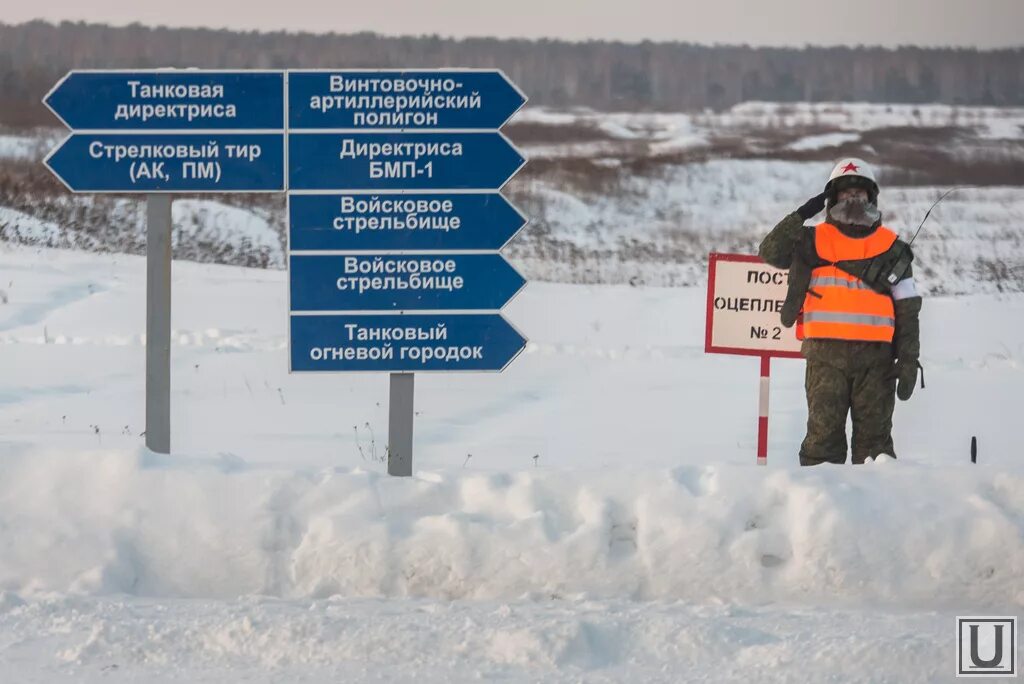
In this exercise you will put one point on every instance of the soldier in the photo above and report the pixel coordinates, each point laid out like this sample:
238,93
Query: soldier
852,285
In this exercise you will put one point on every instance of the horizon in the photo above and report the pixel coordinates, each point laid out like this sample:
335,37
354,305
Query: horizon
794,24
537,39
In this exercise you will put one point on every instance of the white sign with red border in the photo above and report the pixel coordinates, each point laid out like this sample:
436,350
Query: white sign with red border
745,296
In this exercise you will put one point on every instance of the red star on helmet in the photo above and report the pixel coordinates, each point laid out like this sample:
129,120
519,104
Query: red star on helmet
850,167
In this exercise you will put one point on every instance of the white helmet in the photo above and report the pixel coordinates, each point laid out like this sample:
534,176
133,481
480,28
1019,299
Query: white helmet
852,168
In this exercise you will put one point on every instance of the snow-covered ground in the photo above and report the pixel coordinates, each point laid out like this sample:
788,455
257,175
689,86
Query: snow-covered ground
659,228
28,146
261,639
641,198
593,513
689,130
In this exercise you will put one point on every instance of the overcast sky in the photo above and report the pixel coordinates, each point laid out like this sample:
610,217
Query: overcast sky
979,23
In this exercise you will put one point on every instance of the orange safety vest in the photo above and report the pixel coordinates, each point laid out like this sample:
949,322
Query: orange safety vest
847,308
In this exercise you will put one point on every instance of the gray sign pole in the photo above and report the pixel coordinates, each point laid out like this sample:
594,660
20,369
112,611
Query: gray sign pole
400,414
158,323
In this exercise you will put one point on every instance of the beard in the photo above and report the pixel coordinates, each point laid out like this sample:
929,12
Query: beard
855,212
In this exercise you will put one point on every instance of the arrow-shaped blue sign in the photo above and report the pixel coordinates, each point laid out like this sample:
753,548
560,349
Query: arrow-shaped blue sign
400,161
405,222
166,100
465,99
424,282
152,162
410,342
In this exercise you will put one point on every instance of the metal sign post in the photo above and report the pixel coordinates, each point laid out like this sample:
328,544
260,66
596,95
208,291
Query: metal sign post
395,227
158,323
400,419
136,132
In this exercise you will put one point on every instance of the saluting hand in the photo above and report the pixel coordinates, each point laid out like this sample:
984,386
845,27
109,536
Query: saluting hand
812,206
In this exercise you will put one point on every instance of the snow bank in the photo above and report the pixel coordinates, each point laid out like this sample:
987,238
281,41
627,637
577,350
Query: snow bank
32,145
645,488
993,123
824,141
136,523
226,225
657,228
18,227
988,122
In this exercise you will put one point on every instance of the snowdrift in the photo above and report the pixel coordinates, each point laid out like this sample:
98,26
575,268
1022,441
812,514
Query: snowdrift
643,487
137,523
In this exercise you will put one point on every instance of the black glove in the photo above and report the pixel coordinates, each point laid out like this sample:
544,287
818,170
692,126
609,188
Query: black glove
906,378
812,206
907,343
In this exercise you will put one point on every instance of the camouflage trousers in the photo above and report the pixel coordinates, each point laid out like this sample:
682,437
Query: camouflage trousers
865,389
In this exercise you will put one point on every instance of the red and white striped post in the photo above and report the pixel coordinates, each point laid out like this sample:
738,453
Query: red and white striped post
762,411
744,298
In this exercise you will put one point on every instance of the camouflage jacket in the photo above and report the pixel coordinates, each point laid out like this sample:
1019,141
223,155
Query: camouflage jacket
790,245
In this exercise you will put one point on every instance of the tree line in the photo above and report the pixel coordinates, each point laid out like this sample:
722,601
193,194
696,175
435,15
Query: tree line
601,75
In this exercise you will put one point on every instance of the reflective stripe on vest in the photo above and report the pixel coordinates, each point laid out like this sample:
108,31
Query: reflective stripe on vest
846,308
836,317
839,282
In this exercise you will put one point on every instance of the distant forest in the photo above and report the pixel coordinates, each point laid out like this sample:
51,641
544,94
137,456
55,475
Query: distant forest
598,74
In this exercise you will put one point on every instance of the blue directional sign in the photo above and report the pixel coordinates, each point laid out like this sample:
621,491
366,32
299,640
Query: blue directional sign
168,100
390,342
400,161
396,205
442,221
423,282
464,99
158,162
